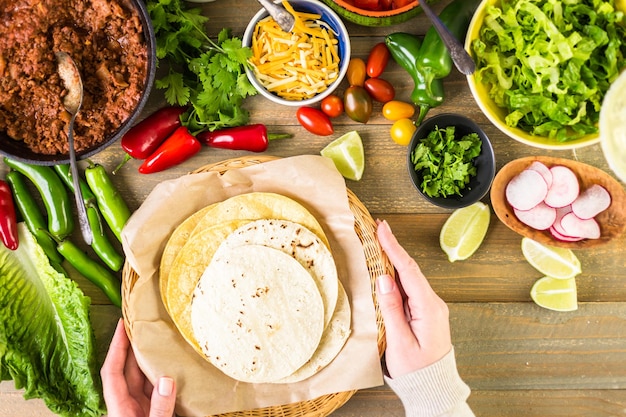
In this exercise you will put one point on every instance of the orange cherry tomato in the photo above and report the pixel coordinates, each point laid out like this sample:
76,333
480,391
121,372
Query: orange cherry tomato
402,131
380,90
332,105
377,60
356,72
396,110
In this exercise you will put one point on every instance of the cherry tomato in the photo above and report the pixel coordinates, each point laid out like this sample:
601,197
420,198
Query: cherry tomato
380,90
315,121
357,104
377,60
396,110
367,4
332,105
402,131
401,3
356,72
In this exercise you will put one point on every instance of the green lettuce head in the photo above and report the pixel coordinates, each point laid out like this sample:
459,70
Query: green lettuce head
47,344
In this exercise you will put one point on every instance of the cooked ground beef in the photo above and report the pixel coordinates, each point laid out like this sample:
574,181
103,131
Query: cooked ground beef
105,39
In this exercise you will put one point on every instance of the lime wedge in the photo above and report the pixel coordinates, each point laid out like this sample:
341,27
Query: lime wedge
347,154
560,263
464,231
555,294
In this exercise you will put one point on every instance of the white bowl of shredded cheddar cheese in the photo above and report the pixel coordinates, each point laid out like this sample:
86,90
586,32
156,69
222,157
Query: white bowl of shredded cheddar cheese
300,67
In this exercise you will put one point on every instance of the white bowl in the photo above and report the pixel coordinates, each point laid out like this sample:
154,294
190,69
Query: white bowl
341,33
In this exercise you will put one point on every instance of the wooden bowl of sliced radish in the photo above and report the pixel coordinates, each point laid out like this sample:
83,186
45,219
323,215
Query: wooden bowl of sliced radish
559,202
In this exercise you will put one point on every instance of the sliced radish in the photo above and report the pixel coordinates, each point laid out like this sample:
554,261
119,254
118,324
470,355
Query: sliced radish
540,217
562,237
574,226
564,188
560,213
592,201
543,170
526,190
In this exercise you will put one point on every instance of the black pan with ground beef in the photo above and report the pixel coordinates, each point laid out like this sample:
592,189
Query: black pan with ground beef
105,39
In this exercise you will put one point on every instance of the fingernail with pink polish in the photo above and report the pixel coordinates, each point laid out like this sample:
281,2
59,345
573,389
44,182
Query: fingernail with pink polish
166,386
385,284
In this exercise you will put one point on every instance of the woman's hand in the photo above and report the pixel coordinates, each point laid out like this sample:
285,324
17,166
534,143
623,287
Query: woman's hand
127,391
418,328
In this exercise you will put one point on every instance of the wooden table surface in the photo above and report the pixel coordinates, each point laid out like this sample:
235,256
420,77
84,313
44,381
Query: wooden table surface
519,359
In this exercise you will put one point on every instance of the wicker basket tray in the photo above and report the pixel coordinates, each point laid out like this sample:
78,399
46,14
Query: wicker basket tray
377,264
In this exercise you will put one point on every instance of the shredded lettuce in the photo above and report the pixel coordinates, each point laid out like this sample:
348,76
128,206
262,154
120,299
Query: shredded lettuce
46,339
550,62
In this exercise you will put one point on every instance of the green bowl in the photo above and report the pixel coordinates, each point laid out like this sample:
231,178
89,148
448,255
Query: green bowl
375,18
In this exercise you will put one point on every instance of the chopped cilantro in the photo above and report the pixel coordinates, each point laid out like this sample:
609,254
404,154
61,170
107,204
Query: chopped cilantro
207,75
446,164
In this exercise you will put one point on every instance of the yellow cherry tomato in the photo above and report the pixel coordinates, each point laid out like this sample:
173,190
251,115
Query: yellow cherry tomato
396,110
356,72
402,131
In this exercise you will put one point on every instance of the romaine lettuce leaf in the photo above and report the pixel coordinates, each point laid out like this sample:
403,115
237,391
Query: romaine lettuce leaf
550,62
46,339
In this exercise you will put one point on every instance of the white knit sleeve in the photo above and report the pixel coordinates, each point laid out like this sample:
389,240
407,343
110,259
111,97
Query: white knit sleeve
434,391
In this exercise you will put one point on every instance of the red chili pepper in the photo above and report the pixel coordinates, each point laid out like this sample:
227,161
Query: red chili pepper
180,146
145,137
252,138
8,219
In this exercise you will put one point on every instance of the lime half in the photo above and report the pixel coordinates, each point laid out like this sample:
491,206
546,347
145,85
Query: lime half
347,154
555,294
560,263
464,231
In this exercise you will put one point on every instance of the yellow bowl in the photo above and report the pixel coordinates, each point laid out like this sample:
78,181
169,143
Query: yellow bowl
497,114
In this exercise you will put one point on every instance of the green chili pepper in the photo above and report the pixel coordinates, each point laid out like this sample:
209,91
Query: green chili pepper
92,270
32,216
433,59
101,244
53,193
404,49
110,202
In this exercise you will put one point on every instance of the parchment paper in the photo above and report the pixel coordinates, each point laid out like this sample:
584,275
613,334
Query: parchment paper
160,349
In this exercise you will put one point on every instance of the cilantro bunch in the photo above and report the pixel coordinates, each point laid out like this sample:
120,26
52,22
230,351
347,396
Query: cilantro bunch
206,75
446,164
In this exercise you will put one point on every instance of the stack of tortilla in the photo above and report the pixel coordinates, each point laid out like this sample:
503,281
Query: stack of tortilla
251,284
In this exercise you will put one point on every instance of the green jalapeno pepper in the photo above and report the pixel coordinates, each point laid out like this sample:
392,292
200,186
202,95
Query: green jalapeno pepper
433,58
92,270
53,193
110,202
404,49
32,216
101,244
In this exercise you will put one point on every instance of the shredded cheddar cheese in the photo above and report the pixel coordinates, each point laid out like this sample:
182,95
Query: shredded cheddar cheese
296,65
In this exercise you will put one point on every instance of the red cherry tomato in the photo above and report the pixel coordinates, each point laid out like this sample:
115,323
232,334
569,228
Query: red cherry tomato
377,60
315,121
401,3
332,105
380,90
356,72
367,4
357,104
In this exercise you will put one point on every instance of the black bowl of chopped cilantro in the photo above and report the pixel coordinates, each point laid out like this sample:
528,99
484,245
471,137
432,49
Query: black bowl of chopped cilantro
451,161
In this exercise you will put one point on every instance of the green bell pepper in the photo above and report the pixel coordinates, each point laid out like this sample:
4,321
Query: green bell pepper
404,49
433,58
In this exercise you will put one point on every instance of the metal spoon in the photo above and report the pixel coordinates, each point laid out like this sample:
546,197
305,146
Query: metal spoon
462,60
73,101
285,20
